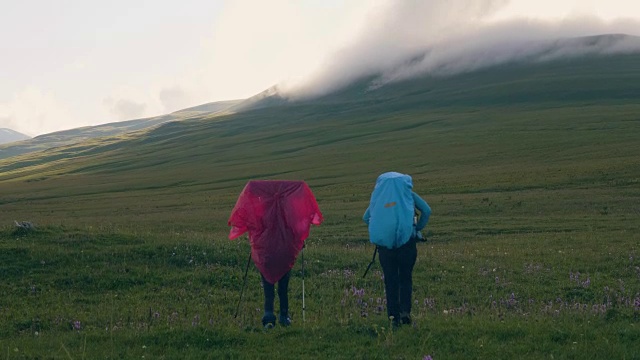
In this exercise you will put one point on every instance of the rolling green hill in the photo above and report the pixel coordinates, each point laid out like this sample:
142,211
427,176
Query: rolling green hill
545,115
78,135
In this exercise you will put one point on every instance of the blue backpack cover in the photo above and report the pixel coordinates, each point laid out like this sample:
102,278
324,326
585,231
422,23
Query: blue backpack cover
391,210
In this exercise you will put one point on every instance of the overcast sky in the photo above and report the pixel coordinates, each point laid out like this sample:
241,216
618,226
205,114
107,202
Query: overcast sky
73,63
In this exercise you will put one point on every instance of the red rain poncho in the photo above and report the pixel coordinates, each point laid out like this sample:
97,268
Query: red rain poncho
278,215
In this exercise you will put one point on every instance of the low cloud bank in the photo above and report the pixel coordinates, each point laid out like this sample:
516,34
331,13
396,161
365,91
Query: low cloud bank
445,37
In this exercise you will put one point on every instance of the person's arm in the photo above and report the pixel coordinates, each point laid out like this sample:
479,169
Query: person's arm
366,216
425,211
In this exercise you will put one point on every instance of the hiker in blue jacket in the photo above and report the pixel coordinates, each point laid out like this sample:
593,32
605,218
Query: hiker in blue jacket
392,229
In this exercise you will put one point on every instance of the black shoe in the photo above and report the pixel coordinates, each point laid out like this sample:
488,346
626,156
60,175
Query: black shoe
285,320
269,321
405,319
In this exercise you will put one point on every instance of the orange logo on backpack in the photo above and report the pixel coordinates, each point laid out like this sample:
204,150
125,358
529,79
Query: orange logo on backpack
391,204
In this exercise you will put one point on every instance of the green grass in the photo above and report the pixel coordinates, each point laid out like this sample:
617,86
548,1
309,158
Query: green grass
174,295
533,247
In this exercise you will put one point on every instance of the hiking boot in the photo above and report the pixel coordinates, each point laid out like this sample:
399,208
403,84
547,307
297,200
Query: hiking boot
405,319
269,321
285,320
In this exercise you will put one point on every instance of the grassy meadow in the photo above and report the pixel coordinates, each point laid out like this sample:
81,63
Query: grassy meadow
533,246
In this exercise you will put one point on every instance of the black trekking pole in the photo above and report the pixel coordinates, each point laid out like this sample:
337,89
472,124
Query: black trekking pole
244,283
373,259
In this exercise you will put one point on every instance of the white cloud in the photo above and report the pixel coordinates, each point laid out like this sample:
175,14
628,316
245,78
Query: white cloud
257,44
410,38
562,9
133,102
513,40
34,111
124,109
251,46
394,31
174,98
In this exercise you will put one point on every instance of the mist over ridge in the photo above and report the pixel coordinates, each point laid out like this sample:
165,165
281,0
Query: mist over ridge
440,38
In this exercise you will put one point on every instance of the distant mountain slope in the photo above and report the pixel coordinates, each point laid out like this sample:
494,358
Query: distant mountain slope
421,124
73,136
585,79
585,69
210,108
9,136
527,72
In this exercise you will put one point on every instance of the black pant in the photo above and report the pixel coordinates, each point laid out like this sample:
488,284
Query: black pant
283,294
397,266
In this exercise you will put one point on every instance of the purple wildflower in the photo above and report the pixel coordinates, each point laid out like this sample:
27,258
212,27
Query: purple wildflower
77,325
357,292
586,283
429,302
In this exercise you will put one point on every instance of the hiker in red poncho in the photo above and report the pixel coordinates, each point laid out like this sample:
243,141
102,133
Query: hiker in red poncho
277,216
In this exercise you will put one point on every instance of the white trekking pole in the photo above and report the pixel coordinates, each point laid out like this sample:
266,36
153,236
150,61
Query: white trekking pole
303,305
